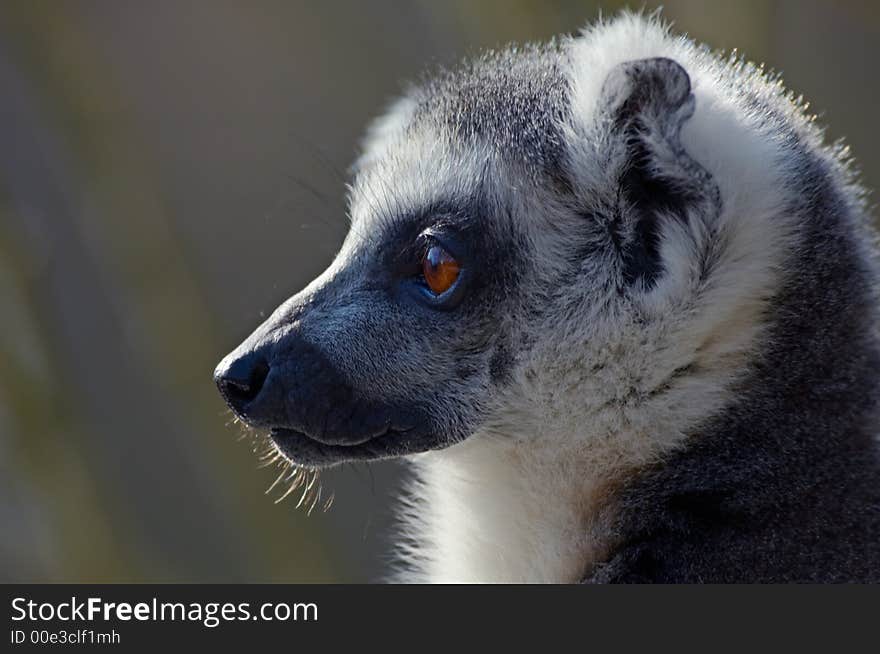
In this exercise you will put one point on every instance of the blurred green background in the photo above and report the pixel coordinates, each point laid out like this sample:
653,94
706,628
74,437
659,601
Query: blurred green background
169,172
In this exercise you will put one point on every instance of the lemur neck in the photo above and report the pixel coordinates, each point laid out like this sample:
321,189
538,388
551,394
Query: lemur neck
489,512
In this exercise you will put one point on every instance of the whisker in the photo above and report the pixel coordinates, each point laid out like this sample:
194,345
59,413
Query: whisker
329,502
297,477
315,500
307,490
275,483
285,494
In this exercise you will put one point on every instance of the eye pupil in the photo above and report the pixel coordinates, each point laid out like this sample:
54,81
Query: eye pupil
440,269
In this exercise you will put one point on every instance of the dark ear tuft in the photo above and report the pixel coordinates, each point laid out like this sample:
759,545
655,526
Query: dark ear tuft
647,102
647,86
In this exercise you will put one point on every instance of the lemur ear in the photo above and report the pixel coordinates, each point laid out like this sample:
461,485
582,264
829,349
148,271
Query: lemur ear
657,86
647,102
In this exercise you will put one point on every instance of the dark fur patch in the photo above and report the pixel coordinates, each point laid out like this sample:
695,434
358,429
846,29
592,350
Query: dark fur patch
651,98
500,364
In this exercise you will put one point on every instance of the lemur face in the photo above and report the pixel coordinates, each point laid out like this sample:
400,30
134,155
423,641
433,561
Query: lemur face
397,348
507,270
400,345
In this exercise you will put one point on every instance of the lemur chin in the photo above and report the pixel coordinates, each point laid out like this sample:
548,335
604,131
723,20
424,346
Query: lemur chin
617,303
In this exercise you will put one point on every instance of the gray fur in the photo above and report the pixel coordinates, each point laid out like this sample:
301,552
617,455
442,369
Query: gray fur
514,99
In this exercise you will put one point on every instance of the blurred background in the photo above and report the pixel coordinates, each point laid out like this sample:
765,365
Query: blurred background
169,172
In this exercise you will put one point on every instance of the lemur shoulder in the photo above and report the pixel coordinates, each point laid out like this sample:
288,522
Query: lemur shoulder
616,301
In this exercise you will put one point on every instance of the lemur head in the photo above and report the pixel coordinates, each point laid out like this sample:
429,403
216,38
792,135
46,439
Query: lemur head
550,246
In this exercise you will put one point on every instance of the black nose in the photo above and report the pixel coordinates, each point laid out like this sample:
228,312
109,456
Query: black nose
241,379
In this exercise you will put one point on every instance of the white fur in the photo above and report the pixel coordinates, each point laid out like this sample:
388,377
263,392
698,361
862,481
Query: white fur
520,500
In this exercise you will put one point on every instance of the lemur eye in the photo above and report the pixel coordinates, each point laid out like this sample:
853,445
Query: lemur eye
440,269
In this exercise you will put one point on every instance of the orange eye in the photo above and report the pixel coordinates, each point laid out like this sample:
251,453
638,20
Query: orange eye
440,270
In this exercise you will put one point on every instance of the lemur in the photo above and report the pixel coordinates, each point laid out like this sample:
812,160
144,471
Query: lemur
617,303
